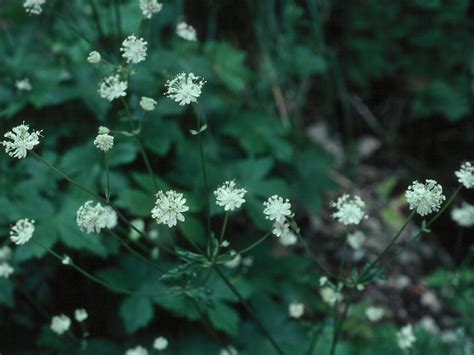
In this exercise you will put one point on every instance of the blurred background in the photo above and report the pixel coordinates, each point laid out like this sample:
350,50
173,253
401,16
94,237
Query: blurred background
305,99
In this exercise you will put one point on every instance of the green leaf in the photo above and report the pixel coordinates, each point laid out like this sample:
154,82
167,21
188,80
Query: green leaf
225,318
136,312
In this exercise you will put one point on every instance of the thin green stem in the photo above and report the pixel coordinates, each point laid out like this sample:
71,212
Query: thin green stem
224,227
95,15
316,332
249,309
339,324
147,163
107,174
261,240
118,19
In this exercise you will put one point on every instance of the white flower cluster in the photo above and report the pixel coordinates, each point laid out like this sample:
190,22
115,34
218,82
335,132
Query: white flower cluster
229,197
112,87
406,337
160,343
349,210
284,233
184,88
169,208
356,239
34,6
21,141
5,268
186,32
278,210
425,198
296,310
147,103
92,219
94,57
330,295
464,215
80,315
138,350
235,261
150,7
60,324
374,314
23,85
465,175
104,141
229,350
22,231
134,49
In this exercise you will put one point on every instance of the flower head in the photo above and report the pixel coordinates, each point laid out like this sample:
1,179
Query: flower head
284,233
235,261
134,49
60,324
150,7
169,207
94,57
147,103
160,343
80,315
22,231
186,32
23,84
277,209
374,314
5,253
92,219
138,350
464,215
356,239
112,88
330,296
104,141
349,210
21,140
229,350
425,198
34,6
5,270
229,197
296,310
405,337
66,260
465,175
184,88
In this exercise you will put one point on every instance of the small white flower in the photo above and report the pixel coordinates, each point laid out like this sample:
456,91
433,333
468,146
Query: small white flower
406,337
349,210
138,350
112,88
186,32
34,6
5,253
80,315
104,141
138,224
356,239
23,85
229,350
277,209
21,141
330,296
134,49
67,260
425,198
225,243
465,175
184,88
374,314
296,310
147,103
5,270
169,207
323,280
235,261
428,323
283,232
229,197
60,324
22,231
92,219
464,215
160,343
150,7
247,261
94,57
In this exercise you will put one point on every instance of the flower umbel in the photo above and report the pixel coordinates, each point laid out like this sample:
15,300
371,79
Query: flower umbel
60,324
229,197
104,141
138,350
22,231
296,310
277,209
425,198
160,343
150,7
5,270
186,32
464,215
21,141
374,314
169,207
23,84
356,239
147,103
34,6
184,88
134,49
80,315
94,57
405,337
112,88
465,175
92,219
349,210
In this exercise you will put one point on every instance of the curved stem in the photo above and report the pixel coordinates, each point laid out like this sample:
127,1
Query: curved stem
261,240
147,163
107,174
